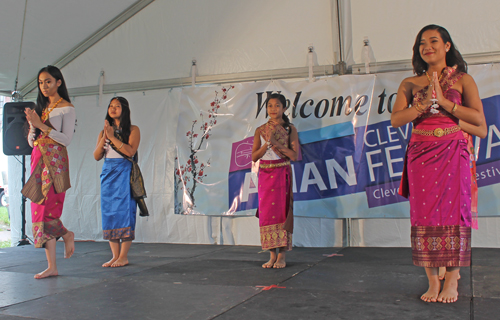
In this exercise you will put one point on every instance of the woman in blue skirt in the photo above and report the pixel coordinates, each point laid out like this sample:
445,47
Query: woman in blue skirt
117,144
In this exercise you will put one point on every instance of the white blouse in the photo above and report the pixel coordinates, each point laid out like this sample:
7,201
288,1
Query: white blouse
270,154
63,120
110,153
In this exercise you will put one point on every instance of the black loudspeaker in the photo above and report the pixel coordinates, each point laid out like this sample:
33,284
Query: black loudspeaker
14,135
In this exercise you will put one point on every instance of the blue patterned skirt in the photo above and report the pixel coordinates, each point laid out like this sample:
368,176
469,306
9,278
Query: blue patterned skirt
118,207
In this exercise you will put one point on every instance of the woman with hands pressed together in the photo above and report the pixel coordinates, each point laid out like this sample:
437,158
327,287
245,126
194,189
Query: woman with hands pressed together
439,175
52,124
276,143
118,141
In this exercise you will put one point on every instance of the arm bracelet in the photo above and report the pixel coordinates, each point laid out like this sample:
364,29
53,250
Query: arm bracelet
419,110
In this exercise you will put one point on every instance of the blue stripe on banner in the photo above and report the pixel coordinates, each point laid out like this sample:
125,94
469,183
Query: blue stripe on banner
326,133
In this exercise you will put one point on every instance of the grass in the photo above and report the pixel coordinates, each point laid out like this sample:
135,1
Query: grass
4,224
4,216
5,244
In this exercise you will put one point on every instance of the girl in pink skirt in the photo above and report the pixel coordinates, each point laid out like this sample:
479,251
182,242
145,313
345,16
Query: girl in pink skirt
275,143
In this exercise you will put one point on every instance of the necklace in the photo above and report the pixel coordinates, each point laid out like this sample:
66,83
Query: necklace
45,114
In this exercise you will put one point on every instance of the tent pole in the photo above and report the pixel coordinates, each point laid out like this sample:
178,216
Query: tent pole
341,65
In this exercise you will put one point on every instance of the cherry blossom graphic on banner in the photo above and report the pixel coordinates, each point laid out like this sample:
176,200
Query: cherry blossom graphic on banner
191,172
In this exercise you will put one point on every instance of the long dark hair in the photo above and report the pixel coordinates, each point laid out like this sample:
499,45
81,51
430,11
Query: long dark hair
453,56
281,98
42,101
125,123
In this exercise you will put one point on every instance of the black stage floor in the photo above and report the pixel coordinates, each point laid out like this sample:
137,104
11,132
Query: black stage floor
180,281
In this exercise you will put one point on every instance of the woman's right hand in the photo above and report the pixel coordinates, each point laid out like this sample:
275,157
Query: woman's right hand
106,129
33,118
100,147
426,103
258,149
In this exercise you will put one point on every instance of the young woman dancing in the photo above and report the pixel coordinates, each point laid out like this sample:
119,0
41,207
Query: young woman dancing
118,141
437,178
52,124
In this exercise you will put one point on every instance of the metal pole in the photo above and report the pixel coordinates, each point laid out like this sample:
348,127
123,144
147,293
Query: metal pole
341,65
24,239
339,25
349,227
221,237
347,232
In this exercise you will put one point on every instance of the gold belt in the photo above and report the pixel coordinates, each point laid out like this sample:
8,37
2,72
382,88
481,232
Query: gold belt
438,132
35,143
274,165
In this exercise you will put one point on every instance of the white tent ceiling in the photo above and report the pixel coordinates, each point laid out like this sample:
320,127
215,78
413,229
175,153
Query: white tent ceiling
244,38
52,29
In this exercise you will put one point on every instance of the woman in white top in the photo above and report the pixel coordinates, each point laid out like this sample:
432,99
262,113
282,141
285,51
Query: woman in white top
52,125
117,143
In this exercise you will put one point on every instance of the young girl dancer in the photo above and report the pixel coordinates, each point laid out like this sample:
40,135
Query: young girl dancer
276,143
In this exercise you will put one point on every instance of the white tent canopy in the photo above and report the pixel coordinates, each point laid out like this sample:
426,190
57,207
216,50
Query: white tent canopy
147,47
244,39
37,33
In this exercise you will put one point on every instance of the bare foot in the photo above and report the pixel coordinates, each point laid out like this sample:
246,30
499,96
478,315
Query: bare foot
450,291
270,263
280,263
69,244
109,263
432,293
442,273
47,273
119,263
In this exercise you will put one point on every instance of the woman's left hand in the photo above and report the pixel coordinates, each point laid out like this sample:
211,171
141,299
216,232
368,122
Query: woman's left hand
272,139
437,89
108,129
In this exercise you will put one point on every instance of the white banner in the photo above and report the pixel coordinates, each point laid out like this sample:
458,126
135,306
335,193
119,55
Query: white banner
351,158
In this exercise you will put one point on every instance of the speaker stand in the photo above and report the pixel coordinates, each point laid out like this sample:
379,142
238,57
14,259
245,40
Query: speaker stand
24,238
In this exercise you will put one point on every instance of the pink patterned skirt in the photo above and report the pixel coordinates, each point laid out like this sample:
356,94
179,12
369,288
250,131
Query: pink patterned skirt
275,210
439,185
45,217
